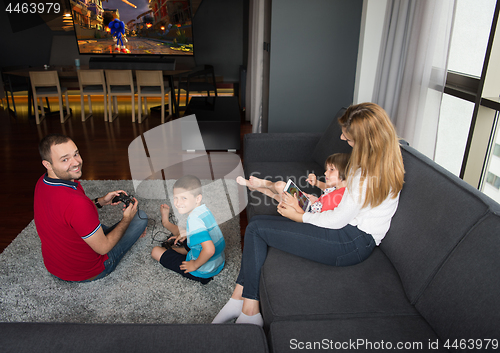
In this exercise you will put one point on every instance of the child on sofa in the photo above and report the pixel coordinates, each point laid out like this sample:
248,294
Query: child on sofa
201,256
333,188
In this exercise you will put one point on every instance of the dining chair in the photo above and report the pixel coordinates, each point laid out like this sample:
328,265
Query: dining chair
119,83
92,82
150,84
12,84
46,84
198,80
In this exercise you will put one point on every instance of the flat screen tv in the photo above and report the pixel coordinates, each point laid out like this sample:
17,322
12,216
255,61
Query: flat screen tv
133,27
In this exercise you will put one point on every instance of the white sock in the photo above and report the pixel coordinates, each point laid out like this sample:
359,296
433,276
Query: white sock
254,319
230,311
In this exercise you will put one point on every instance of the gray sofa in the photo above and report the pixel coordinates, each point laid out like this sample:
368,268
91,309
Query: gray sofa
432,285
140,338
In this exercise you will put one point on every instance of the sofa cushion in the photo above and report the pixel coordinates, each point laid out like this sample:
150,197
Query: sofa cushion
279,147
260,204
436,210
330,141
293,288
462,300
375,334
108,338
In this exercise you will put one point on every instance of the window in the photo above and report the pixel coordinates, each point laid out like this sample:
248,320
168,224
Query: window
453,130
471,30
467,143
493,180
496,150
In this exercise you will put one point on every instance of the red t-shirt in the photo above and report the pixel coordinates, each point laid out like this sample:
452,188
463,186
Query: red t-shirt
331,200
64,217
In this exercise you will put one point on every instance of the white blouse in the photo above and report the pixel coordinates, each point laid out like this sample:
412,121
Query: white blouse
372,220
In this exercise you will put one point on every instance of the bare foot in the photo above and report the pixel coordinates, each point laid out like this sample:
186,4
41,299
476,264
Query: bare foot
259,183
144,233
242,181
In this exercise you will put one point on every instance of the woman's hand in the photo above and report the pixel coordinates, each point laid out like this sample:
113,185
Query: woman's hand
289,212
291,200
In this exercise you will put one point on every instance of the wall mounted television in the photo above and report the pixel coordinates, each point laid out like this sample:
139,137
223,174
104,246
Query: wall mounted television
133,27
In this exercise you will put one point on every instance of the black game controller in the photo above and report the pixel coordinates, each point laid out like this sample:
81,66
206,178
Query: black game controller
126,199
169,243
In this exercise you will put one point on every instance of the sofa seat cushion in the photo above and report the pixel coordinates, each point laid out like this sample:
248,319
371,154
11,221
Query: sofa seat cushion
375,334
293,288
144,338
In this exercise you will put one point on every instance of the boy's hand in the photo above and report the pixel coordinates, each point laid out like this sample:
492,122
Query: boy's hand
188,266
165,213
165,210
179,238
182,236
207,251
312,198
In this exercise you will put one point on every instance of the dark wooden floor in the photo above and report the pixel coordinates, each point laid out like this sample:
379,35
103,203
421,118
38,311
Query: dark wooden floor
103,146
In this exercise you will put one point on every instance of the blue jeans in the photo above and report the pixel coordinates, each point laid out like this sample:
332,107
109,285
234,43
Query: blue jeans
336,247
133,232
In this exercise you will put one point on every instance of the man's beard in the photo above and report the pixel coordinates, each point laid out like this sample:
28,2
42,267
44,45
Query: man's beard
68,175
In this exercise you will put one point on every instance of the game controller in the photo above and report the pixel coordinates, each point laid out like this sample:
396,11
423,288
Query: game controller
169,243
126,199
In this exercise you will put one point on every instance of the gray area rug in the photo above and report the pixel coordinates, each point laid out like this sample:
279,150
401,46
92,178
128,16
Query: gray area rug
140,290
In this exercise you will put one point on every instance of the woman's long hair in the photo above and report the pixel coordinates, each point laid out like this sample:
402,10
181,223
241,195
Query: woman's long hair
376,152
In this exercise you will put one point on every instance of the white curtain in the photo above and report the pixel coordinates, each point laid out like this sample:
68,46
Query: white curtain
412,67
253,99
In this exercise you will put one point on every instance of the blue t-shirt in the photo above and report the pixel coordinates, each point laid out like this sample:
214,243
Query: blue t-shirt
201,226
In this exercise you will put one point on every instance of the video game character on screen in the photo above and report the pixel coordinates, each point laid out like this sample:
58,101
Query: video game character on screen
117,28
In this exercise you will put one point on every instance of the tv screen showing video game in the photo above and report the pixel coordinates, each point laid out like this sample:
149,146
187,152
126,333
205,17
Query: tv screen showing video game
136,27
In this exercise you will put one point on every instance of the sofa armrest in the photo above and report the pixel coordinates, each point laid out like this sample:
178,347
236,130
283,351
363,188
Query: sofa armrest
279,147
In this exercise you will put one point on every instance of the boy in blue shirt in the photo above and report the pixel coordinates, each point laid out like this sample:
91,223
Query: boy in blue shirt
201,256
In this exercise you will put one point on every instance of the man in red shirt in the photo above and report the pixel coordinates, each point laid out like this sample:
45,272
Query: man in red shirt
75,245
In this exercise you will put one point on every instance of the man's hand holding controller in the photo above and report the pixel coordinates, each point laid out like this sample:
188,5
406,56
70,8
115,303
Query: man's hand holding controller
109,198
130,203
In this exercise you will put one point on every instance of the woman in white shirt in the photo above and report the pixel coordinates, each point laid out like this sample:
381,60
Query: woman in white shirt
344,236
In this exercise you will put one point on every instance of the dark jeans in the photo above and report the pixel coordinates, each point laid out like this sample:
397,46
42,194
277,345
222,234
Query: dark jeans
335,247
133,232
